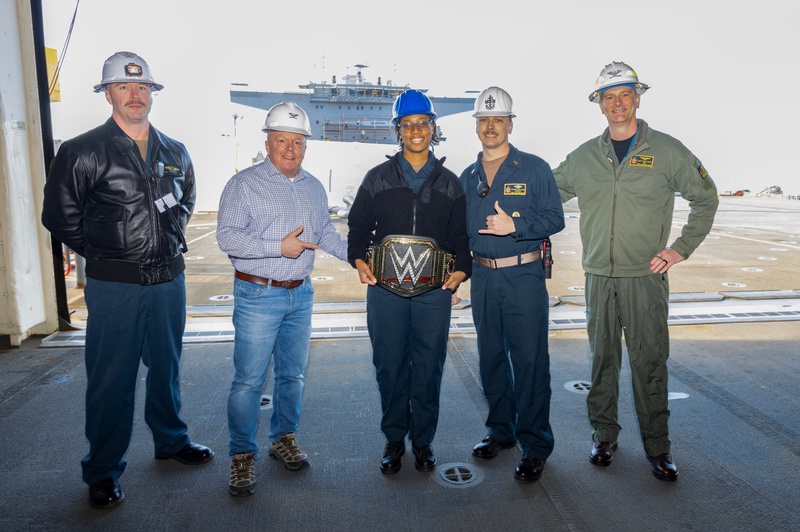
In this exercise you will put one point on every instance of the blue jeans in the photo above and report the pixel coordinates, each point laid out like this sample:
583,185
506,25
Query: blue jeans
268,321
129,323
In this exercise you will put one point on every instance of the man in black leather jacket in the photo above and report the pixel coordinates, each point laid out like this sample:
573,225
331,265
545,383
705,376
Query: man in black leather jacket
121,195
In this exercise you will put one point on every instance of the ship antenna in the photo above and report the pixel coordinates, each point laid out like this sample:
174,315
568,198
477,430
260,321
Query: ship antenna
358,73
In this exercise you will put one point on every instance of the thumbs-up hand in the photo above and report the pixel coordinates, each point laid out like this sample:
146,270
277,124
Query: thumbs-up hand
499,224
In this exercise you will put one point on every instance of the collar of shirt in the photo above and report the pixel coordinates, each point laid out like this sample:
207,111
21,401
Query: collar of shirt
272,171
415,179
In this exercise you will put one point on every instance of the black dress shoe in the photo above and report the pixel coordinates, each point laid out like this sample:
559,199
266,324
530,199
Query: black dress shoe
529,470
391,462
192,454
489,448
603,452
105,494
423,458
663,468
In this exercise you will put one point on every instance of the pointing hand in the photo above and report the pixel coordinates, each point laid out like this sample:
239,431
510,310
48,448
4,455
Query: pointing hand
292,247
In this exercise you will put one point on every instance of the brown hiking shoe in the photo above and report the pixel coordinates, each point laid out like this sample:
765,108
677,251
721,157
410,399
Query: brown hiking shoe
243,479
287,451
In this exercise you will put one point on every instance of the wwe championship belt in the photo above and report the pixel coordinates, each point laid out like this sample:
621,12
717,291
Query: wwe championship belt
410,265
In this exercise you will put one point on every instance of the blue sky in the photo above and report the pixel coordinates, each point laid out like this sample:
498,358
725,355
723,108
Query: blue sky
723,76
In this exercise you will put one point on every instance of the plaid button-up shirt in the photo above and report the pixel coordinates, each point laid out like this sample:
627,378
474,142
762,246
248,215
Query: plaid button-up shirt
259,206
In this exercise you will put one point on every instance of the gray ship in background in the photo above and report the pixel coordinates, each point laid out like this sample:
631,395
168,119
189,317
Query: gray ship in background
353,111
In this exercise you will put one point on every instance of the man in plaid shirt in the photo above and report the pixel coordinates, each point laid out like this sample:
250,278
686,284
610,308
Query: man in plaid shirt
272,216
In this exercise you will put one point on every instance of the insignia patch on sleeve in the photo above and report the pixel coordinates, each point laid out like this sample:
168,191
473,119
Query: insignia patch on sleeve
514,189
702,171
642,161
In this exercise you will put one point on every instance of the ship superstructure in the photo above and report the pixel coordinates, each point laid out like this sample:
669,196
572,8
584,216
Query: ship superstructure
354,110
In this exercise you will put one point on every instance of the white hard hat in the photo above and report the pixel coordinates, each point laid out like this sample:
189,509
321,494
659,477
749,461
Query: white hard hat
615,74
289,117
494,101
126,67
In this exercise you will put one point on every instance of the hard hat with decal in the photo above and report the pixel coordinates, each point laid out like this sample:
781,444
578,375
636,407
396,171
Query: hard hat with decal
288,117
126,67
494,101
616,74
412,102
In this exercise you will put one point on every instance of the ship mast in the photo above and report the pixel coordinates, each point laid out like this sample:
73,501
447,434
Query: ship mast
359,79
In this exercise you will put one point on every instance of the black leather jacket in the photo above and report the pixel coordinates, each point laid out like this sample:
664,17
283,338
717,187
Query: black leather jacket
125,219
386,205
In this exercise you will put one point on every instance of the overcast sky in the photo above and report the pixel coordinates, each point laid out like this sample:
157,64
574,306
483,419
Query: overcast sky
723,76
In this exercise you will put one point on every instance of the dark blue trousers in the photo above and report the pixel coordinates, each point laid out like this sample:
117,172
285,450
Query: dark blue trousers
510,308
409,345
129,323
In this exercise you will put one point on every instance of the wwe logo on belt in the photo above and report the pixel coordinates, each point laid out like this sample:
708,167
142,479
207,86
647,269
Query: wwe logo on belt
409,264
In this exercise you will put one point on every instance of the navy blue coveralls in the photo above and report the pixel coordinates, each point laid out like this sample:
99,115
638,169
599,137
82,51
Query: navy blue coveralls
510,306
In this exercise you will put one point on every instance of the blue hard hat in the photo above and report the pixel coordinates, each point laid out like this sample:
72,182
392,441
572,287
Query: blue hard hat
412,102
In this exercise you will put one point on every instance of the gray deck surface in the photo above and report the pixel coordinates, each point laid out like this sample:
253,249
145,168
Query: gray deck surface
734,429
735,422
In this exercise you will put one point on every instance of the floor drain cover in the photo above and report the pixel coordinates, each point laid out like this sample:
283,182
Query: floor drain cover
266,402
581,387
459,475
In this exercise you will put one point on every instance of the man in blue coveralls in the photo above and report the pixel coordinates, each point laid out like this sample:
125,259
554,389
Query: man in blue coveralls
512,206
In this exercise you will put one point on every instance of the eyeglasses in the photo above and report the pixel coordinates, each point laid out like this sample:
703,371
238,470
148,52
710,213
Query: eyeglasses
483,188
409,127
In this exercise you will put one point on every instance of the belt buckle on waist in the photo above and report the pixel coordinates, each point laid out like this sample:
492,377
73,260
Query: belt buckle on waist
263,281
505,262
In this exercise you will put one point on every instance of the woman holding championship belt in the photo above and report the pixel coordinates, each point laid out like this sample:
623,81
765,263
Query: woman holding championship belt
408,221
